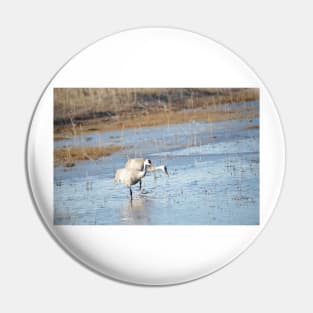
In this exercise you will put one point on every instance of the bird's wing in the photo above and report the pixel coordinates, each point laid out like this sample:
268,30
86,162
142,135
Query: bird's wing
136,164
118,175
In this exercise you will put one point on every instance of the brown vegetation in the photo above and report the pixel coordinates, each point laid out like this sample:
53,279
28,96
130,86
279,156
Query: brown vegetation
253,127
154,119
87,110
67,156
78,111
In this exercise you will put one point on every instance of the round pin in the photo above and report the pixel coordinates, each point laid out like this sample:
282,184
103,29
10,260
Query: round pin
155,156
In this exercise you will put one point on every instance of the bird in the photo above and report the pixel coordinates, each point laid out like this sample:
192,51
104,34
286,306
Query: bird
137,164
130,176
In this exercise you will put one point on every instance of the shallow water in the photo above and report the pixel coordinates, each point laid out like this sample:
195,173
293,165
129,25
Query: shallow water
213,168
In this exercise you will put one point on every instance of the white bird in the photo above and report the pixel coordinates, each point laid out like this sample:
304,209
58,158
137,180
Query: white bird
137,164
129,176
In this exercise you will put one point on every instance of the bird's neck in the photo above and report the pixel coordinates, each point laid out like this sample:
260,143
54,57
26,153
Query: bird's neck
156,168
144,172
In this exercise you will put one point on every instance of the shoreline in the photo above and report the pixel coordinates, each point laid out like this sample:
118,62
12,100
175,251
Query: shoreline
151,119
69,156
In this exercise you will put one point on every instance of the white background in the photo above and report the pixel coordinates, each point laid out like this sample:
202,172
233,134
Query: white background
273,274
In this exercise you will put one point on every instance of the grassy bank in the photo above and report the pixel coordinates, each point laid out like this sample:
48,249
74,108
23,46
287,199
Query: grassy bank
153,119
68,156
88,110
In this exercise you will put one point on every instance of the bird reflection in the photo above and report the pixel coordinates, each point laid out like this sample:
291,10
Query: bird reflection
136,211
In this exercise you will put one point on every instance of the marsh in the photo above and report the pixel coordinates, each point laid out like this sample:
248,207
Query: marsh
213,174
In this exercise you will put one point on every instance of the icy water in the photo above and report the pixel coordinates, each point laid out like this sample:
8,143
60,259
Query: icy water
213,168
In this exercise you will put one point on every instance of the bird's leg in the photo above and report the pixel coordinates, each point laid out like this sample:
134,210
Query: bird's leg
131,193
140,184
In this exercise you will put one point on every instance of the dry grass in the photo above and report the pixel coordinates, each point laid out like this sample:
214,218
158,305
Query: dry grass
70,155
153,119
253,127
78,111
86,110
86,103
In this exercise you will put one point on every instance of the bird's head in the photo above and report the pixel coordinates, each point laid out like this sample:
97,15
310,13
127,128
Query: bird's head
164,169
147,163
